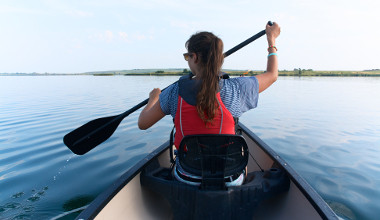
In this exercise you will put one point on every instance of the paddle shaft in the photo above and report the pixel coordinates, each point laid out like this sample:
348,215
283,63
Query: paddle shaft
226,54
244,43
86,137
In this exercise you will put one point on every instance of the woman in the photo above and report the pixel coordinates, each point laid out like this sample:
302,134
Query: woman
204,103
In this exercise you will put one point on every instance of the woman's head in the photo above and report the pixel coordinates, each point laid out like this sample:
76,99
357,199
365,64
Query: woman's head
208,50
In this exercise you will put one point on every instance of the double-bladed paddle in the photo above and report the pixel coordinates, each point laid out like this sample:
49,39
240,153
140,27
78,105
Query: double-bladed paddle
95,132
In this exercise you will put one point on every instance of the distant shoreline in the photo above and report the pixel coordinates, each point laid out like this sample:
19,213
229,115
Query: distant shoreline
179,72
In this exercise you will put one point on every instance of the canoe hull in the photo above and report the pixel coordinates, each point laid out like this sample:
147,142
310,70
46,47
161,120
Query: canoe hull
127,199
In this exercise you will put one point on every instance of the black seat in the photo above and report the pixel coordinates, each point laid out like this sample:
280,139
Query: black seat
213,157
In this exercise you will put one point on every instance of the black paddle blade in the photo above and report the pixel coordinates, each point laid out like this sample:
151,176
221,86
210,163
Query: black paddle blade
88,136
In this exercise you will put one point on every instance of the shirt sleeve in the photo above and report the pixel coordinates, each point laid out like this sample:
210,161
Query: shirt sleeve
168,100
249,93
240,94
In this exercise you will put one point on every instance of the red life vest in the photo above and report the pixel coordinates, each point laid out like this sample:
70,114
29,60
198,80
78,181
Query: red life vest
187,120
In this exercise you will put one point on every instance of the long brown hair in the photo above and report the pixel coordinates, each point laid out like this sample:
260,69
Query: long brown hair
209,50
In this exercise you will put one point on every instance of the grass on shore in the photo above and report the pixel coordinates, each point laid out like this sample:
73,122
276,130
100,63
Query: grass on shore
250,73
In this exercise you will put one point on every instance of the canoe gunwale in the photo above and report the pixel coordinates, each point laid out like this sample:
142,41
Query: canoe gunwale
310,194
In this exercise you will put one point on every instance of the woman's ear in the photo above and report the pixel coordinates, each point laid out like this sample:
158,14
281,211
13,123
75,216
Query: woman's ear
195,57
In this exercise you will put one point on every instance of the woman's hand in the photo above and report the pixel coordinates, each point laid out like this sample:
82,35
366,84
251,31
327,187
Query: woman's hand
272,33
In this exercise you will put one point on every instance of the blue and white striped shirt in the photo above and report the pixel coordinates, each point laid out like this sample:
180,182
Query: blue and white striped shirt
238,94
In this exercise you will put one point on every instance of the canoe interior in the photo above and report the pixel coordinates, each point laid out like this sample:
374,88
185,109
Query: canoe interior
126,199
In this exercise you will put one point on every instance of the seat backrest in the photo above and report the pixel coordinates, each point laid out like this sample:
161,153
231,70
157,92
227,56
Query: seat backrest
214,157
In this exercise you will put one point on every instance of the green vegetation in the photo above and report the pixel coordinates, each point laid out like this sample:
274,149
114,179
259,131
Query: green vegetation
104,74
310,72
143,72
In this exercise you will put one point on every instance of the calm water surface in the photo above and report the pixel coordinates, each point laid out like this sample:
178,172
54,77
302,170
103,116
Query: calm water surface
326,128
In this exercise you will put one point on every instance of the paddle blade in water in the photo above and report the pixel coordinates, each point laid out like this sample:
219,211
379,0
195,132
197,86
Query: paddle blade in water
88,136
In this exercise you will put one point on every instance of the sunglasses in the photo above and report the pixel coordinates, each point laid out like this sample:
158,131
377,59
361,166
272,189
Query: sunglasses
187,55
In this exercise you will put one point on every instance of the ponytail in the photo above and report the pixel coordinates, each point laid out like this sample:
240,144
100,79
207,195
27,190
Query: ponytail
209,49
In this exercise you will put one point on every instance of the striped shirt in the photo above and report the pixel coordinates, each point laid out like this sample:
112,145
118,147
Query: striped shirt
238,94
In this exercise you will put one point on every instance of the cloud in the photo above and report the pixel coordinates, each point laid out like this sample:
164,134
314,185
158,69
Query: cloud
185,27
108,35
121,36
140,36
78,13
67,8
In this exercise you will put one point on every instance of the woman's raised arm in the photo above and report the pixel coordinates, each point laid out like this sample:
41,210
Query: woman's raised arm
270,76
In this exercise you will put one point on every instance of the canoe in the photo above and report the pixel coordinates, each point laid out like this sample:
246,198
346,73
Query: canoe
276,192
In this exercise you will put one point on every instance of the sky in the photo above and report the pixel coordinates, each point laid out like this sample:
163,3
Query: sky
76,36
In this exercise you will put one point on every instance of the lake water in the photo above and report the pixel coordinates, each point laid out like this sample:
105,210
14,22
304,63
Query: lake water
326,128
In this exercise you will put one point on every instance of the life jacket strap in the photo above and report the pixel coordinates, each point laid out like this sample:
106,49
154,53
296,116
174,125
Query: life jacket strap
171,143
